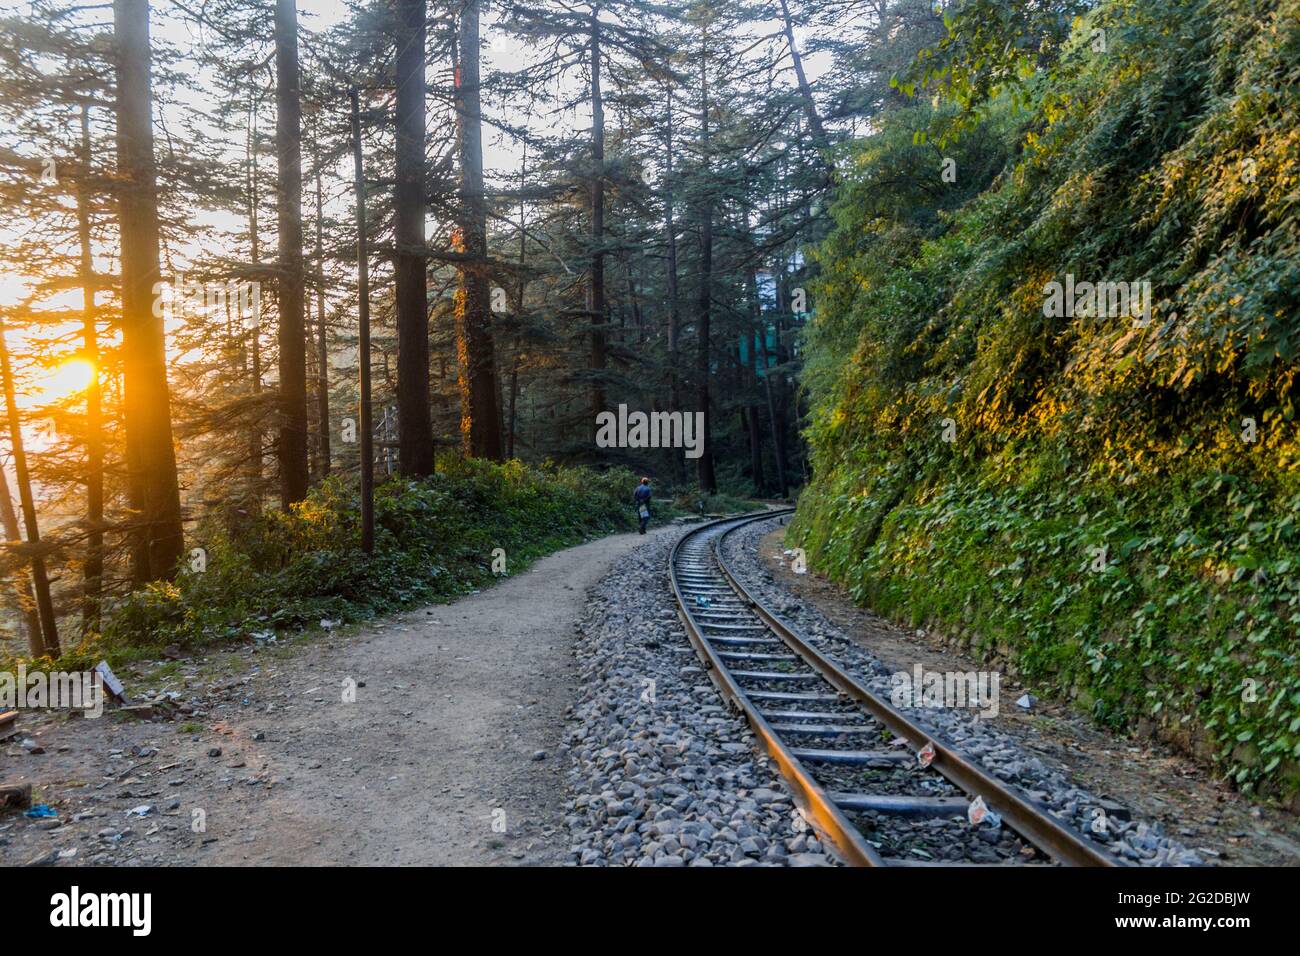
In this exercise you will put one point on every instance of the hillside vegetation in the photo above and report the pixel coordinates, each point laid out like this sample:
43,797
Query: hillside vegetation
1107,505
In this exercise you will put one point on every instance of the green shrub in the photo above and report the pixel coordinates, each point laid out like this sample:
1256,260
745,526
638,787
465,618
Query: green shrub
434,539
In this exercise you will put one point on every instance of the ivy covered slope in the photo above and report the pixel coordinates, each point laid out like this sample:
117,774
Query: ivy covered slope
1117,513
434,539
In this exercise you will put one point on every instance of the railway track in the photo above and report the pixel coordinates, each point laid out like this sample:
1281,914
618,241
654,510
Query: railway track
837,744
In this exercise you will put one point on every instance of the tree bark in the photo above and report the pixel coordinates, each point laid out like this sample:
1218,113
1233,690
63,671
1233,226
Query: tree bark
366,427
292,446
596,277
805,91
322,345
46,640
704,468
480,399
750,374
253,323
93,568
414,421
778,446
151,457
674,311
521,289
29,626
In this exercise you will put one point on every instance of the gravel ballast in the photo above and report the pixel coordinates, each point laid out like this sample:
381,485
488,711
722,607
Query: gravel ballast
662,773
1134,840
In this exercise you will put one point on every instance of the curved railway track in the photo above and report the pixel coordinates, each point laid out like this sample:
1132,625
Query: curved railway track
835,741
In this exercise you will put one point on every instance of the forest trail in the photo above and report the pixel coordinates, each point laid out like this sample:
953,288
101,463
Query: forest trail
437,762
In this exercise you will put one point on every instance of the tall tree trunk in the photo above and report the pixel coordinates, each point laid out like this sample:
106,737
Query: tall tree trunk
756,450
93,568
253,323
805,91
414,421
46,640
151,458
778,446
596,277
322,345
750,382
292,446
480,399
521,289
29,625
367,428
707,479
674,313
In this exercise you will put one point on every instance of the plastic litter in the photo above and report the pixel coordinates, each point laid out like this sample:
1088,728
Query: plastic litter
925,756
111,682
701,601
41,811
1026,701
978,812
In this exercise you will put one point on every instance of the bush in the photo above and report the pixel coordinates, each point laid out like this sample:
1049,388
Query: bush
434,539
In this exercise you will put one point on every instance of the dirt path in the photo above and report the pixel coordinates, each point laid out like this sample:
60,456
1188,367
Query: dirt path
1154,781
448,755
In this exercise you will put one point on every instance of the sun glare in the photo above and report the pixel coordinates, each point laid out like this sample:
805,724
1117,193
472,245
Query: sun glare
67,379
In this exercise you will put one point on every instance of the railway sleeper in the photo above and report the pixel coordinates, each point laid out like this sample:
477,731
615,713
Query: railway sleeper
901,805
876,759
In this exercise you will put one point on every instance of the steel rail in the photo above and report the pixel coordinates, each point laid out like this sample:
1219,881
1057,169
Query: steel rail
818,808
1056,838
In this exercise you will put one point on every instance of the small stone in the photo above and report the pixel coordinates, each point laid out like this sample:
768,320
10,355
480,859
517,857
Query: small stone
539,755
214,751
808,859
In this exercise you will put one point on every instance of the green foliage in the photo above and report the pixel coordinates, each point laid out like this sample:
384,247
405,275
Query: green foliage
992,49
1172,157
278,572
722,503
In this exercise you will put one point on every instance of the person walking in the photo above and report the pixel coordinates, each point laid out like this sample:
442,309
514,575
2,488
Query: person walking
641,497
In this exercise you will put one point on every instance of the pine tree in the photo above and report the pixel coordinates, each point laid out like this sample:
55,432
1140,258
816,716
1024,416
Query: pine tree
480,393
150,455
294,475
415,430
